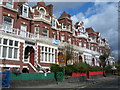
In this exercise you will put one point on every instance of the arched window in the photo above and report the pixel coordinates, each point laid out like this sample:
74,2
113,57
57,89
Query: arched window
42,10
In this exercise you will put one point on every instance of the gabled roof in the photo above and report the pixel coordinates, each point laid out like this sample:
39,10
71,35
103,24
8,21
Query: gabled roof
42,3
64,15
89,30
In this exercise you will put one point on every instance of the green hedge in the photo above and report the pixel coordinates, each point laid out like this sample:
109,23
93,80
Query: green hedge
55,68
77,67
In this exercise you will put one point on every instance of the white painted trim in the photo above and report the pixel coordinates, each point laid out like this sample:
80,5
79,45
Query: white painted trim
46,45
26,67
32,67
7,65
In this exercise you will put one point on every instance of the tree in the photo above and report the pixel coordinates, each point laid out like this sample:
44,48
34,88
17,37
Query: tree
68,51
103,60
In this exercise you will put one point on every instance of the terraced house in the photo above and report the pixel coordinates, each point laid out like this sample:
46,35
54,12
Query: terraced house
31,38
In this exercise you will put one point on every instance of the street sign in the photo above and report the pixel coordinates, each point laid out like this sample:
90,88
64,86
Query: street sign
62,60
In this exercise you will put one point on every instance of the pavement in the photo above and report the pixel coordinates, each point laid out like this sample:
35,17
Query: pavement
77,84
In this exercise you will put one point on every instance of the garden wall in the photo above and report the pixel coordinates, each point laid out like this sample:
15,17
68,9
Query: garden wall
31,79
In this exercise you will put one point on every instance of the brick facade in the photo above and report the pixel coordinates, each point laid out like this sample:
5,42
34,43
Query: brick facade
41,15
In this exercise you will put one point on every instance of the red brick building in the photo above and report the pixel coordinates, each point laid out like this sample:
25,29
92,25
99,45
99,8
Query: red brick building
30,37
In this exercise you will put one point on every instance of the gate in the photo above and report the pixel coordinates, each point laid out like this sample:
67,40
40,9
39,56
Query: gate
5,79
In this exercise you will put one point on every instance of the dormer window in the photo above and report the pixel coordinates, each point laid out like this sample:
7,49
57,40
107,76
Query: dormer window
42,10
7,22
25,10
9,3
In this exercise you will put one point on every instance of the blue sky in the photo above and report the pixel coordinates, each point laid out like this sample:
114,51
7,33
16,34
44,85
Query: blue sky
101,16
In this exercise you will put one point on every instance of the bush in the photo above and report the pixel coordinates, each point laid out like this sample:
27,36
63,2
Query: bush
82,67
108,68
95,68
16,72
55,68
69,69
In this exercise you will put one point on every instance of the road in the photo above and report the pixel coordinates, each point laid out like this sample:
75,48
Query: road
103,82
112,83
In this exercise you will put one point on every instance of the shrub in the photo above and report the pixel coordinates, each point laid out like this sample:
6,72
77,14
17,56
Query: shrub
81,67
95,68
108,68
55,68
69,69
15,71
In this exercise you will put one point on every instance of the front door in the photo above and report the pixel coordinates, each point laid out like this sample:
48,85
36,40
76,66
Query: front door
32,57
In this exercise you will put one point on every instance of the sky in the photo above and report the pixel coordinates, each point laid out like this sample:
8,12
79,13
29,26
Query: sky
101,16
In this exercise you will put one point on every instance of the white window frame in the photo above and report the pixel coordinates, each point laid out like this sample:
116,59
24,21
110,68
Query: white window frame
6,25
7,52
43,9
62,37
49,60
8,4
25,14
53,23
45,34
23,30
36,32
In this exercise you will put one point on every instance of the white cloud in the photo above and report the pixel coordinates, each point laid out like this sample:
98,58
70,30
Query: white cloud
103,20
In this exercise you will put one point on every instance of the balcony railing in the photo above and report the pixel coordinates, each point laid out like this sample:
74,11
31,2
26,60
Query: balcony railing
18,32
41,38
42,17
24,34
81,35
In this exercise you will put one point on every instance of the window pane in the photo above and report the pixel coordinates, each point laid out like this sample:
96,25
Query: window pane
44,32
16,43
4,51
11,42
42,56
52,57
45,48
25,9
42,11
7,20
5,41
0,51
10,53
0,40
42,48
37,30
15,53
52,50
49,58
49,49
45,56
23,30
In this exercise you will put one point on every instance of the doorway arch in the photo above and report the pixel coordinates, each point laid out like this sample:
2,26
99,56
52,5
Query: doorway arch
93,62
80,59
29,53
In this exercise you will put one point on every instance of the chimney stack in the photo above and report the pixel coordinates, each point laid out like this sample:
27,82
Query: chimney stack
50,9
